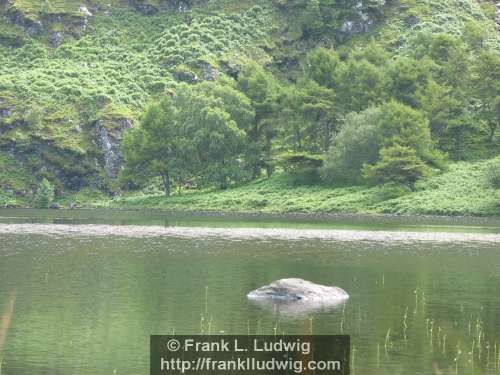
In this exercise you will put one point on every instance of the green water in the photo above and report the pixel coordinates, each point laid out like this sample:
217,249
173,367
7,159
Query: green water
85,303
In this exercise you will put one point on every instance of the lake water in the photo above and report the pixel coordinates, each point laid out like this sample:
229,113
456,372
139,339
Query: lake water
81,291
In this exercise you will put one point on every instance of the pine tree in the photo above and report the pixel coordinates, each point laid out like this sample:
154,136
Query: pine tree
45,194
397,164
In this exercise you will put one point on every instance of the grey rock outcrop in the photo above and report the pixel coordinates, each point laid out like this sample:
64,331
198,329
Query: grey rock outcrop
363,20
108,138
149,7
85,11
412,20
56,39
32,27
5,110
298,290
146,9
185,76
75,24
209,72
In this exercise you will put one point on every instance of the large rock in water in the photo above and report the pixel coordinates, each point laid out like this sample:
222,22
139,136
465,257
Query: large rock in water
298,290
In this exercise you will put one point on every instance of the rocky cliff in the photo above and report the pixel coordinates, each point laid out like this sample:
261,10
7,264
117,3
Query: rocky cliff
75,75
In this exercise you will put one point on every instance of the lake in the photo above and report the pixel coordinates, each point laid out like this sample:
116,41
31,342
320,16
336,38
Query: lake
81,291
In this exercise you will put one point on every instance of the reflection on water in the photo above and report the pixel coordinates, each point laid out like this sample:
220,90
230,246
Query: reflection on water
135,231
298,309
86,303
214,220
5,321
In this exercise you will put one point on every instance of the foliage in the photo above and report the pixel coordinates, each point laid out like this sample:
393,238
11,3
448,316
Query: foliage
357,143
262,90
120,61
44,194
308,117
258,83
190,135
462,190
321,64
209,37
360,84
494,174
399,164
326,16
487,90
400,124
302,168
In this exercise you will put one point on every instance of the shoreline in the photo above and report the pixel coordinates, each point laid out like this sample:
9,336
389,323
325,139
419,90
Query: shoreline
301,217
137,231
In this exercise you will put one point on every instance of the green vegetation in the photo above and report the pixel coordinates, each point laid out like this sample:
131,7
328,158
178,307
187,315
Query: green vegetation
44,195
494,174
192,134
337,97
465,189
398,164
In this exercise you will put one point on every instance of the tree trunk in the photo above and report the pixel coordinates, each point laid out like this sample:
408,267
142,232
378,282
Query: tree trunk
327,136
166,184
268,151
493,128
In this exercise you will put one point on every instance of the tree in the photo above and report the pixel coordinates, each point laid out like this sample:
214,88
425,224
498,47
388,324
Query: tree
156,148
364,134
360,84
308,116
45,194
357,143
262,90
399,164
403,125
409,80
241,110
191,134
373,53
218,142
302,168
451,97
320,66
487,90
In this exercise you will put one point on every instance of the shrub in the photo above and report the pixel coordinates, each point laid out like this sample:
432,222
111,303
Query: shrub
45,194
357,143
398,164
493,174
302,168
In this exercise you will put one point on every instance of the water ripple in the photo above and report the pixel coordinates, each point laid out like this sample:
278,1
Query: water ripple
135,231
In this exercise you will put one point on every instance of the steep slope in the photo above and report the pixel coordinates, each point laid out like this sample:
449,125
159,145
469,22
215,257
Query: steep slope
464,189
63,109
75,75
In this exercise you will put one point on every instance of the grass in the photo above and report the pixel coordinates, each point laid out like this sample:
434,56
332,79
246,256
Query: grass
126,59
464,189
435,16
15,182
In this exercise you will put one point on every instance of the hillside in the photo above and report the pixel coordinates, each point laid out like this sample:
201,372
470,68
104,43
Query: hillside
463,190
75,76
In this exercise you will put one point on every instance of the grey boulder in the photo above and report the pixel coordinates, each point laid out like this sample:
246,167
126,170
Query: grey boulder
298,290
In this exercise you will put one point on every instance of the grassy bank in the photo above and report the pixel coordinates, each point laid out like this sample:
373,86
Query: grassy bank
465,189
